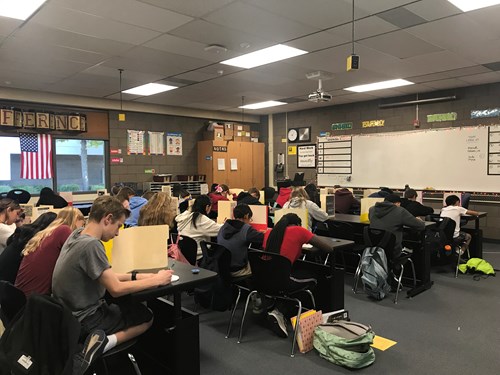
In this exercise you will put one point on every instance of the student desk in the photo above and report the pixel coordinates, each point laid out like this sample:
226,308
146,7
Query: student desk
421,256
173,342
476,244
335,298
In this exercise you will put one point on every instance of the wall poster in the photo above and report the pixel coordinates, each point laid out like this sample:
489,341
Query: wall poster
174,144
135,142
306,156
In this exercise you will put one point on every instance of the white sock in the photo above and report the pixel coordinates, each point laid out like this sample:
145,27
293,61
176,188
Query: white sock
111,343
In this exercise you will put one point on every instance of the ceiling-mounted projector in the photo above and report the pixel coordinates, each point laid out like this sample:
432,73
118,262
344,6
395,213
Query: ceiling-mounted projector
319,96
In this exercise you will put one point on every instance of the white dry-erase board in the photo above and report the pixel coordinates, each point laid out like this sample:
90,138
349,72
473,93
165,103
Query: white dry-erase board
462,158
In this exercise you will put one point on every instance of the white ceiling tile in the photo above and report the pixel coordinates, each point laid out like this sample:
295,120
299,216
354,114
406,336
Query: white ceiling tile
400,44
8,25
372,7
433,9
446,84
252,20
131,12
440,61
318,41
194,8
479,79
88,24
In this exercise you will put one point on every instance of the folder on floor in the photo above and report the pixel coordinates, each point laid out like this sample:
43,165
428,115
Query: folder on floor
309,320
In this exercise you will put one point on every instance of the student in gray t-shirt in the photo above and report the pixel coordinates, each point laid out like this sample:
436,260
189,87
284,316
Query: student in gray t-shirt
83,274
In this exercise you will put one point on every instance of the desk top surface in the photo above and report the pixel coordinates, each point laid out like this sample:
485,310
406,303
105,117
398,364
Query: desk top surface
355,219
187,280
437,211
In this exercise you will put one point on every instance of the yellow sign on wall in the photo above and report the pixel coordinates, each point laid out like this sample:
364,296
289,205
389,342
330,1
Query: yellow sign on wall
373,123
292,150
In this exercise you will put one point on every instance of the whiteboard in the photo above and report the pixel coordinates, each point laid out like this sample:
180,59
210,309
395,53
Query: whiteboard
444,159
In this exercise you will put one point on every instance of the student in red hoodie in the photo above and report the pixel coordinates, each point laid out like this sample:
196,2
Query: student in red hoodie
221,193
283,195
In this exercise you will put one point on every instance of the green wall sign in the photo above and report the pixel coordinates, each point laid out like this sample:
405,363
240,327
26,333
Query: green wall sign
438,117
342,126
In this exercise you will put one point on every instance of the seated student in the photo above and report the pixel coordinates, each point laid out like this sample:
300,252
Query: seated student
221,193
124,196
10,259
9,212
157,211
148,194
454,211
284,194
409,202
269,196
389,216
236,236
312,191
135,205
41,252
382,193
345,203
184,198
83,274
300,199
196,224
251,197
287,238
49,198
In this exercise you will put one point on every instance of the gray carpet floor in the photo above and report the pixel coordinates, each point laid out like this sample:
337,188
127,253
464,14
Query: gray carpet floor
450,329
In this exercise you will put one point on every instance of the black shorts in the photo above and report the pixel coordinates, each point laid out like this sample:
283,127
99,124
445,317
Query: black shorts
113,318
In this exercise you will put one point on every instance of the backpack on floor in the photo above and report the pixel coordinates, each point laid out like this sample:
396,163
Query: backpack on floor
345,343
374,272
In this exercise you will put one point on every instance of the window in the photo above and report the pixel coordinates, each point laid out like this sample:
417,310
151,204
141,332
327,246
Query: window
10,169
79,165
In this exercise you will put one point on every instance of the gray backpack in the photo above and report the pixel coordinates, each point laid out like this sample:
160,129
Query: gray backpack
345,343
374,269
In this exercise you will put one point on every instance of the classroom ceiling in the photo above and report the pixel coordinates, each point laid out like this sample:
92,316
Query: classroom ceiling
76,47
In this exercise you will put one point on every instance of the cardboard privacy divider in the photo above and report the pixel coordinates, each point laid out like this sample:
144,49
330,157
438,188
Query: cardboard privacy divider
225,211
366,203
303,213
140,248
33,212
68,196
368,192
167,189
259,218
234,191
262,197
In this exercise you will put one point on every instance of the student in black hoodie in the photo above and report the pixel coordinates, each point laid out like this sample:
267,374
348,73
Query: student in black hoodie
412,206
236,235
251,197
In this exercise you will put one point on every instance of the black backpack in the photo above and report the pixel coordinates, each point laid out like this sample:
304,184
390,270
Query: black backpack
218,295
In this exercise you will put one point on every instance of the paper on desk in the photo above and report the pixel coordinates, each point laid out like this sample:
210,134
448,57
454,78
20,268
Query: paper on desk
307,246
174,278
382,343
221,164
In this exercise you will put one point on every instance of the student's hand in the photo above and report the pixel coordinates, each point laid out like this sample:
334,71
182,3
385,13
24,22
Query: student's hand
164,276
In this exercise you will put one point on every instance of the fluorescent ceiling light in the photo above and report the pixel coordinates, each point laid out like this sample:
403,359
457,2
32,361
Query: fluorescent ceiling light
264,56
467,5
149,89
269,103
19,9
380,85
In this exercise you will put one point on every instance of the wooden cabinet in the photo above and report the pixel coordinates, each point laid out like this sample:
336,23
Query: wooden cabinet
249,158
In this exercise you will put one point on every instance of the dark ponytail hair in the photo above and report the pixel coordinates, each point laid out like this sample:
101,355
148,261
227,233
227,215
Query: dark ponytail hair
275,239
199,207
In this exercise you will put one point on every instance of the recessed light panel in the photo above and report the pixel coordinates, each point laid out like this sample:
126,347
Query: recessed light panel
149,89
269,103
380,85
19,9
468,5
264,56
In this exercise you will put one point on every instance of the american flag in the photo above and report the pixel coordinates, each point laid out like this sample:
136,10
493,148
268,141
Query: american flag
36,156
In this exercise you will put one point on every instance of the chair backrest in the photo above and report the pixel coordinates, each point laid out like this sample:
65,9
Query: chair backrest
446,229
339,229
12,300
19,195
381,238
270,272
465,200
217,258
188,246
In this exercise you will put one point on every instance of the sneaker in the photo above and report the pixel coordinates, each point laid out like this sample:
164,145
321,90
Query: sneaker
278,323
92,349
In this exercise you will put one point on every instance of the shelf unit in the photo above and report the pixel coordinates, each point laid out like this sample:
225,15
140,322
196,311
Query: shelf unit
194,187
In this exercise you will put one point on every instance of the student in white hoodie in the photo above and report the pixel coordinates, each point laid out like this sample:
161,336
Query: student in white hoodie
300,199
195,223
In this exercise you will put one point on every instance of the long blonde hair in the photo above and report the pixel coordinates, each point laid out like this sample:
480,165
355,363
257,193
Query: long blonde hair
158,211
67,216
300,193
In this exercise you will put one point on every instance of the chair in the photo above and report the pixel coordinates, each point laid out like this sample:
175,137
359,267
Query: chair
375,237
271,278
12,300
339,229
188,246
19,195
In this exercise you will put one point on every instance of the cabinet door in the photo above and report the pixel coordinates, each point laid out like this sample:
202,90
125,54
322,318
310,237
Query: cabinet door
245,165
233,176
258,167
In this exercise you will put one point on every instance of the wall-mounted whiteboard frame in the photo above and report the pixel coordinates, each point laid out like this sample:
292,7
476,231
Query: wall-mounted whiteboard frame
445,159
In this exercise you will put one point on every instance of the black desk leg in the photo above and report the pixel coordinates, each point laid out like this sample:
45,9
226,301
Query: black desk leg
422,260
337,285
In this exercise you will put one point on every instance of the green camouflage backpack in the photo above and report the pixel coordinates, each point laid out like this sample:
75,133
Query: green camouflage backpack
345,343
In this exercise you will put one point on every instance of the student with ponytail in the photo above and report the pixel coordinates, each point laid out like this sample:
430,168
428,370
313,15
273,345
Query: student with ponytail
41,252
221,193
